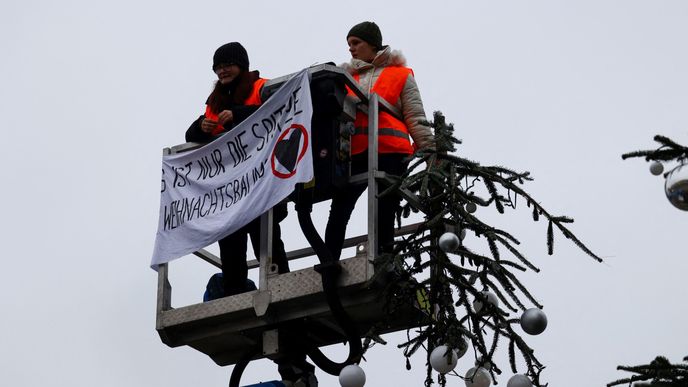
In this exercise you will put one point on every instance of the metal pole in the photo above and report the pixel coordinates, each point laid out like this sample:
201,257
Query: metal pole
373,108
262,298
164,289
265,249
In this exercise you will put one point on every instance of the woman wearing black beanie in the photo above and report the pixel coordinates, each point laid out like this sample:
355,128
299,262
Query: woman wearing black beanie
236,94
235,97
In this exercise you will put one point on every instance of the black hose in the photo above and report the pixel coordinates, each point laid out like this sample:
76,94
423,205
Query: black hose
239,368
329,270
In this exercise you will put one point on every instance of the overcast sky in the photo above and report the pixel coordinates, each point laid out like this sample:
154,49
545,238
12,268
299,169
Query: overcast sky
91,91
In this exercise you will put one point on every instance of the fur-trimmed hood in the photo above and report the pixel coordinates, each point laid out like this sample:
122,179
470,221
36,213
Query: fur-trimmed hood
385,57
409,102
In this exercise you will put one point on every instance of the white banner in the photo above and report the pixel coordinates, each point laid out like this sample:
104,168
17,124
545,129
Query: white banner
211,192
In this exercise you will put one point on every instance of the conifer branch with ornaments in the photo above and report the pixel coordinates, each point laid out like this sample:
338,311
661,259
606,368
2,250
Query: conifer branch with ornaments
660,372
462,270
676,180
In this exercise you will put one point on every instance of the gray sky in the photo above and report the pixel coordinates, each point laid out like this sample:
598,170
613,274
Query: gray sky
91,91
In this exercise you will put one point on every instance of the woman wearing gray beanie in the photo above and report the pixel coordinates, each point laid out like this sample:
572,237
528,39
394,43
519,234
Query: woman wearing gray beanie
379,69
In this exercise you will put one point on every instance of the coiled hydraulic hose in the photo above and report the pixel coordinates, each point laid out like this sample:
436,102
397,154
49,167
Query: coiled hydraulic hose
329,270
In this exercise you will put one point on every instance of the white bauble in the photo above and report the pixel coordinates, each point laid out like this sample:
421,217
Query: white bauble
491,298
676,187
471,207
440,360
656,168
533,321
519,380
352,376
478,377
449,242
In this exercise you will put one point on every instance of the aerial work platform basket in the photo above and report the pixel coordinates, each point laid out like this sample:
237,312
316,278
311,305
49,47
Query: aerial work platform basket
290,307
227,328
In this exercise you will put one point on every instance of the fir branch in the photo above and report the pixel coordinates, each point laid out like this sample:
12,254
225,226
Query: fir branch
438,185
660,372
550,238
668,151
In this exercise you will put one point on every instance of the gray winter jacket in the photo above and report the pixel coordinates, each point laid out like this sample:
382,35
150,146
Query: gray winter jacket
409,104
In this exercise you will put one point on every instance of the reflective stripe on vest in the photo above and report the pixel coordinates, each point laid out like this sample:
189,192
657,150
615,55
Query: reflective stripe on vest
384,132
253,99
393,133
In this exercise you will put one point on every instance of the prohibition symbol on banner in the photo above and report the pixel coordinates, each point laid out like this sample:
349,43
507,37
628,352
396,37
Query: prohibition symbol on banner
289,152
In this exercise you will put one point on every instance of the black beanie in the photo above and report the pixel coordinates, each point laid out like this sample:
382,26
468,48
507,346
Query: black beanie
368,32
231,53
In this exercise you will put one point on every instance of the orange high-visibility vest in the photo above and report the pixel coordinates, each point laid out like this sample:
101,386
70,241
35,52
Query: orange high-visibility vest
393,134
253,99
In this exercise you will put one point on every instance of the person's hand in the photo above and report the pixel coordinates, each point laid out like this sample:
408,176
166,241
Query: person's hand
208,125
225,116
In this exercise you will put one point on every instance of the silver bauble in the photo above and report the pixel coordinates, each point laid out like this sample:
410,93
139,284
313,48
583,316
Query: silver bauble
449,242
656,168
676,187
479,362
519,380
441,361
533,321
491,298
471,207
478,377
352,376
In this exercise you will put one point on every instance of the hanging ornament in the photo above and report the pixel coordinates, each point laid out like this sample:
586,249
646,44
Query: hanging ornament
449,242
534,321
486,364
478,377
491,298
352,376
443,361
519,380
462,234
471,207
676,186
656,168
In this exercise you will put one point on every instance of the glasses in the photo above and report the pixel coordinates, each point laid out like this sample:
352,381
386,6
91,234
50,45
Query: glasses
223,66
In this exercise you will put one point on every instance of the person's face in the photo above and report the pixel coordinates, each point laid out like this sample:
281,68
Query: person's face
227,72
361,49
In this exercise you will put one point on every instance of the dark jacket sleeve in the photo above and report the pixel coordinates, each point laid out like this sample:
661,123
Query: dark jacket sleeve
195,134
